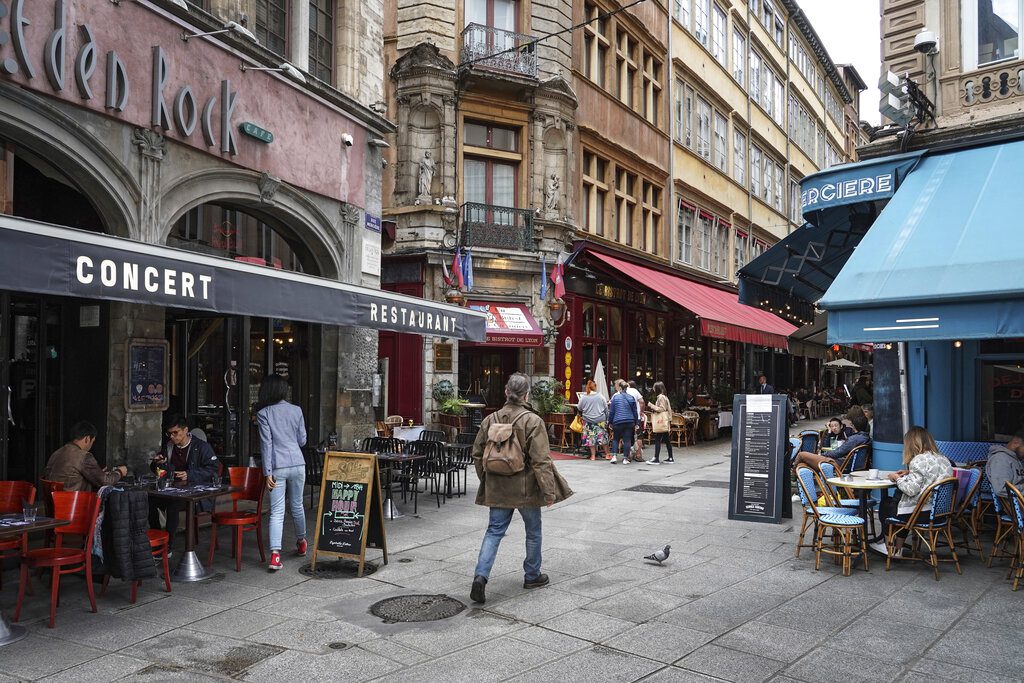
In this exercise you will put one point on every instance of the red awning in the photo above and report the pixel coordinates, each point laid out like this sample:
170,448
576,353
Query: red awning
721,314
508,324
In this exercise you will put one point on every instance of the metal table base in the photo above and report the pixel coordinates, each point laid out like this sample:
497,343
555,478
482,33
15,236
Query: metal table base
190,569
10,633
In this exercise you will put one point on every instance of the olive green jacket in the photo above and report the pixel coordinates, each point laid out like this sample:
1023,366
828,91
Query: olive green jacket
538,484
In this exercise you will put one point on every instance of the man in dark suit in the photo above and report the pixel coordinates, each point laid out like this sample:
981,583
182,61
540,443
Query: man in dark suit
763,387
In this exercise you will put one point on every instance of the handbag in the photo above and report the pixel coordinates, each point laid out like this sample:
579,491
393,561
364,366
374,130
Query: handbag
577,424
661,422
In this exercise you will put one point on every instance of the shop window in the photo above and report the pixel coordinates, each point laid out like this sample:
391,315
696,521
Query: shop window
272,25
614,323
223,230
321,39
602,322
1001,404
588,319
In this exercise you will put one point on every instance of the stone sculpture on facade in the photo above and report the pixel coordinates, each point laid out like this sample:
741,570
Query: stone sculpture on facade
552,196
427,167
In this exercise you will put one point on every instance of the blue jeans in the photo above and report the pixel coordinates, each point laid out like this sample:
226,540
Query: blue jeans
290,481
496,528
623,431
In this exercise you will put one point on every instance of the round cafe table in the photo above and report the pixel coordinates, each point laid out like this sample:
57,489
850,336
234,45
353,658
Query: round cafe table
12,526
859,482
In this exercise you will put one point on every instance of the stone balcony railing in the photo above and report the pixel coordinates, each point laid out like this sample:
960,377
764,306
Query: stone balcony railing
497,227
1001,82
495,49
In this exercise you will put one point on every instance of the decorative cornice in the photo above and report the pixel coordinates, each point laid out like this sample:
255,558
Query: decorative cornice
150,143
425,57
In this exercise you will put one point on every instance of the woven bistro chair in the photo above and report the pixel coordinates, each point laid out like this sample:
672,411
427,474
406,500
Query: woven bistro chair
392,421
857,459
810,520
925,526
847,537
963,515
837,496
1005,527
691,421
677,430
1017,504
810,440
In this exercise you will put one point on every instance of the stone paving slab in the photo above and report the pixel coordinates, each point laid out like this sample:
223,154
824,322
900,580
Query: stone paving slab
731,603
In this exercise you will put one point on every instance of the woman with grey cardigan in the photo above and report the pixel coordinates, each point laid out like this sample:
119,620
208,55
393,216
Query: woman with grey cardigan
594,410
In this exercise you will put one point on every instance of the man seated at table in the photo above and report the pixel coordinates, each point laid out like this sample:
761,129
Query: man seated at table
73,465
837,455
187,460
1005,464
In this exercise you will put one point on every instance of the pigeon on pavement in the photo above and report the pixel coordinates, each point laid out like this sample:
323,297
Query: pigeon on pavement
659,556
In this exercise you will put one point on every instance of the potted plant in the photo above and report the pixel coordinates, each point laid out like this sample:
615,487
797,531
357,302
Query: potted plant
548,400
453,414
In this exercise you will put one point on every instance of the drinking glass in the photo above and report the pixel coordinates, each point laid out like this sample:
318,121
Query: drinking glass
29,510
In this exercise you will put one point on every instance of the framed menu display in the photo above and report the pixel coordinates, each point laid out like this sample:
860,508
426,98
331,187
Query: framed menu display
146,369
756,476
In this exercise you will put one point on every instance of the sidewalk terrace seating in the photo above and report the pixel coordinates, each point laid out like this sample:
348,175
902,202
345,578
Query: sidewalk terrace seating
965,453
924,526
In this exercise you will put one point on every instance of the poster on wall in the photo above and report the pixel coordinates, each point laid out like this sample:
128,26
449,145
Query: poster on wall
146,375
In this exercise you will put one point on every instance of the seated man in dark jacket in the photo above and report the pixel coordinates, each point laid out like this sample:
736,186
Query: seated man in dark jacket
187,460
837,455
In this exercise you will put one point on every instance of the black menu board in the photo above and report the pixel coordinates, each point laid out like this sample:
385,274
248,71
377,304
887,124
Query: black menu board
349,516
759,435
146,370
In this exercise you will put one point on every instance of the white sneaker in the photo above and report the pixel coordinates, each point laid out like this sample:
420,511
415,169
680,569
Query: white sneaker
625,461
652,461
612,461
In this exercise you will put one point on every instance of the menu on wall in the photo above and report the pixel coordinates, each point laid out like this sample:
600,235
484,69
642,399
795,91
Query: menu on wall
146,370
349,516
757,474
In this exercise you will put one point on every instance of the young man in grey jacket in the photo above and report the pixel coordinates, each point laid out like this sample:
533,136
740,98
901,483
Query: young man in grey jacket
1005,464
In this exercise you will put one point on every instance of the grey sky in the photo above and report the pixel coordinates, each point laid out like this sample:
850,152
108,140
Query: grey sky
850,31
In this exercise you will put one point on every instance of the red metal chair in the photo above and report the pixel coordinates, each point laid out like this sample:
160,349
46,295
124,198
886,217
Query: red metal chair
80,509
47,487
158,541
251,485
11,495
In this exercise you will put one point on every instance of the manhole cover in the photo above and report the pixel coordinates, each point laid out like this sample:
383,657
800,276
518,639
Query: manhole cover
652,488
405,560
337,646
710,484
337,569
410,608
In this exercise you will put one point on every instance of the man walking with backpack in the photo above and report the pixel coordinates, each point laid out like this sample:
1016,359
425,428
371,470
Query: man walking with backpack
513,463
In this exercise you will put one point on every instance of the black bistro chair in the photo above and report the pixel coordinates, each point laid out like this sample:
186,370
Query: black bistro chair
432,435
431,470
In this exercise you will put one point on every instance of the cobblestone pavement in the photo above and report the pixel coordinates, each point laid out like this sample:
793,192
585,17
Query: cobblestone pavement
731,603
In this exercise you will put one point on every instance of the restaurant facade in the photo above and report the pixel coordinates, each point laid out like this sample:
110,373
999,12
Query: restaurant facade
183,215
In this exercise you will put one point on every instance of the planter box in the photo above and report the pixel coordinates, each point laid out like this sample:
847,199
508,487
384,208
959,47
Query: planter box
460,423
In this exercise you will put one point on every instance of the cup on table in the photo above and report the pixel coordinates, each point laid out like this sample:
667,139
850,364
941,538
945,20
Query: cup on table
161,483
872,474
29,510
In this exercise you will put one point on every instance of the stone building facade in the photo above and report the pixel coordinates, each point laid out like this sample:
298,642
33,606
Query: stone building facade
250,142
482,163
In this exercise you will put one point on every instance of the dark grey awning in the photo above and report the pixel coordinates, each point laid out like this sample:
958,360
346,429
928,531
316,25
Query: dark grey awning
49,259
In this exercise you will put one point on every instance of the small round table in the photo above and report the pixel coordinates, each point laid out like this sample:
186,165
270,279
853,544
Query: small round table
859,481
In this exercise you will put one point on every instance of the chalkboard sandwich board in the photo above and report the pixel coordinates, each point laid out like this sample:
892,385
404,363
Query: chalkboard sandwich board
350,515
760,432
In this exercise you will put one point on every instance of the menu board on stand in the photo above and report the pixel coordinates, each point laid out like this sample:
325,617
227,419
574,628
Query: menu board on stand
757,476
350,515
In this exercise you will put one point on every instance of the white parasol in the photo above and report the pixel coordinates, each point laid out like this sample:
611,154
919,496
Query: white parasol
841,363
601,380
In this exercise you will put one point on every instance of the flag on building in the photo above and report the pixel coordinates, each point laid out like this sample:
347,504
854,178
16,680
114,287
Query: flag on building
558,277
467,270
543,277
457,278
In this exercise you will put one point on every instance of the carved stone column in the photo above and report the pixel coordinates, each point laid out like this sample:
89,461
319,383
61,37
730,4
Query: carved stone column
152,149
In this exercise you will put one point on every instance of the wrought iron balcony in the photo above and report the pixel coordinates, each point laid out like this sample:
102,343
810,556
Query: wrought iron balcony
489,45
497,227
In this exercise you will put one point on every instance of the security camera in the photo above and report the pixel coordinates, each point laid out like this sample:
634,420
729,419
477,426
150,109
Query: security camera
347,139
925,42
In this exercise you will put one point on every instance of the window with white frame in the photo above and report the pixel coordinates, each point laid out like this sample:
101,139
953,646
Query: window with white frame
688,115
703,128
721,143
991,31
794,200
739,249
833,107
779,33
767,14
719,47
819,147
758,248
755,170
780,184
768,180
739,157
681,11
685,219
721,248
679,129
739,56
702,21
832,155
705,224
779,101
755,75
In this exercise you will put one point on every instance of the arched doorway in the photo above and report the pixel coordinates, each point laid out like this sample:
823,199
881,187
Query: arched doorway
219,362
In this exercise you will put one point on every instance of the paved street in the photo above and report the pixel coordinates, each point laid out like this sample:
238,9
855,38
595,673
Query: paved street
731,603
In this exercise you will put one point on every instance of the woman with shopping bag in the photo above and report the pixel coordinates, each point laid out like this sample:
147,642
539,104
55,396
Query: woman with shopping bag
594,410
661,424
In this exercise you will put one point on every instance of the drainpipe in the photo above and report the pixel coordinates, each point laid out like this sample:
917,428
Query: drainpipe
904,388
673,239
750,196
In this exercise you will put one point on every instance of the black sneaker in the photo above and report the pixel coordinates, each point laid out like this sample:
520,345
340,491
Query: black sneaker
476,593
541,580
669,460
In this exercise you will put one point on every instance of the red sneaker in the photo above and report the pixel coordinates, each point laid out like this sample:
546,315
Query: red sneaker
275,561
300,547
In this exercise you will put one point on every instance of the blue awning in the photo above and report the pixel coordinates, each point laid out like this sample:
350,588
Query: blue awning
944,259
840,205
864,181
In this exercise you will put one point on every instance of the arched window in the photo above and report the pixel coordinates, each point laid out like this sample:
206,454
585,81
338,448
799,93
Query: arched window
225,230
